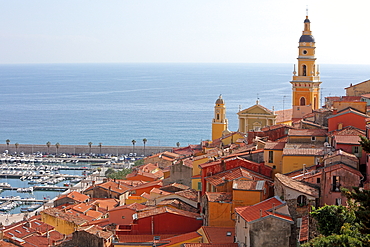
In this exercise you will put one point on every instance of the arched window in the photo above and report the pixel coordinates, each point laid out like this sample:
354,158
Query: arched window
257,126
218,116
302,101
301,201
304,68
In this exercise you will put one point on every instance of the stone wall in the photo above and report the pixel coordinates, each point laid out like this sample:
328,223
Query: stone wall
82,149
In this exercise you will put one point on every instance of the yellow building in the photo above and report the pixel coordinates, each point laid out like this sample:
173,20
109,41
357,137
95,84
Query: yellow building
273,156
255,118
219,123
306,80
196,182
358,89
65,223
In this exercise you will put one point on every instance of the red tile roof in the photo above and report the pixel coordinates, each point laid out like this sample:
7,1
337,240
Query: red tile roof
134,206
249,185
74,195
274,145
141,238
219,196
303,152
97,231
54,212
189,194
162,210
297,185
181,238
209,245
307,132
219,235
236,173
347,139
263,209
303,231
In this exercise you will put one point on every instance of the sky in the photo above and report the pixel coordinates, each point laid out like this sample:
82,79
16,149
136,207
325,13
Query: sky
181,31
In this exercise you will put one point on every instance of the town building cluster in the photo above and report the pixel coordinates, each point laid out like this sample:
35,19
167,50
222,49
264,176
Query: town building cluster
251,187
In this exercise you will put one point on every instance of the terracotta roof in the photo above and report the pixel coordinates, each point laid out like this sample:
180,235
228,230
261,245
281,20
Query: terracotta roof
348,111
134,206
303,151
189,194
284,115
150,184
275,146
117,187
141,238
307,132
74,195
106,203
178,204
341,153
297,185
219,235
175,186
94,214
6,244
348,130
82,207
249,185
352,140
162,210
182,238
141,173
209,245
148,167
219,196
97,231
236,173
159,192
263,209
54,212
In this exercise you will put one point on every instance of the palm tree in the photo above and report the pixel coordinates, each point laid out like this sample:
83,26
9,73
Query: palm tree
48,145
133,146
90,143
178,144
7,142
57,146
144,141
100,144
16,147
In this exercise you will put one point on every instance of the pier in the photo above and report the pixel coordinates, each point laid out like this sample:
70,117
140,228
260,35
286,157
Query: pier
24,200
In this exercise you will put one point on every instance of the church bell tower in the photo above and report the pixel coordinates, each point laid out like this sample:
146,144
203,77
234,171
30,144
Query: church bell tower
219,123
306,80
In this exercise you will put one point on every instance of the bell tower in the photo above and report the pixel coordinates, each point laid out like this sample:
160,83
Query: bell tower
219,123
306,80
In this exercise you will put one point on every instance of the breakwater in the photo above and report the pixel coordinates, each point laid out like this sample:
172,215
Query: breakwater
82,149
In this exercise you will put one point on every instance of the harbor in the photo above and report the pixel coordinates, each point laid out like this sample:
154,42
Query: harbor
25,187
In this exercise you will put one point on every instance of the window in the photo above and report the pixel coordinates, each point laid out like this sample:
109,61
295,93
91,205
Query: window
218,117
304,70
336,183
299,222
302,101
271,156
318,180
301,201
123,217
338,201
313,138
199,186
355,150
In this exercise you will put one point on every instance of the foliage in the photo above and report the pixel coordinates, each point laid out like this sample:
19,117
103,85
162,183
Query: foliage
349,236
359,202
117,174
331,218
365,143
353,222
139,162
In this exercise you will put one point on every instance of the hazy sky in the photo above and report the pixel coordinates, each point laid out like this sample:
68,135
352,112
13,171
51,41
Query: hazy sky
252,31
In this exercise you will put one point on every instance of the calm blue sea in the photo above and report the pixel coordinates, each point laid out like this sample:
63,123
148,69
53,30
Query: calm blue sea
164,103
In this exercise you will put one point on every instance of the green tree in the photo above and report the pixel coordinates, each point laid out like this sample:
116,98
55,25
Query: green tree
90,144
57,147
359,202
48,145
144,141
133,146
7,142
100,145
139,162
117,174
365,143
331,218
178,144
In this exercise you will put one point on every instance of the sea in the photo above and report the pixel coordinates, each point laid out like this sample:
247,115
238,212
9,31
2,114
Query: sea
164,103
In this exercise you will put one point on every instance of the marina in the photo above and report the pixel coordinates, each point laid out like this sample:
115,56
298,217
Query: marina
34,184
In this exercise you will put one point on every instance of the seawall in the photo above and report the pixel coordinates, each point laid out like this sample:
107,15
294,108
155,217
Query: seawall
82,149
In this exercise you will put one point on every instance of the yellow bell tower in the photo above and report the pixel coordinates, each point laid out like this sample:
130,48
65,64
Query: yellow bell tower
306,80
219,123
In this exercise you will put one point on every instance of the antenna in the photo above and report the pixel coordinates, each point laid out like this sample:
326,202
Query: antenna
307,10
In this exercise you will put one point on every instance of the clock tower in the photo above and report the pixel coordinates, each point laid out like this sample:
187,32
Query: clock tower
306,80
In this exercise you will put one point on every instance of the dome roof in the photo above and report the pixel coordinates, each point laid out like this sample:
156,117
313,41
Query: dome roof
307,38
306,20
220,100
